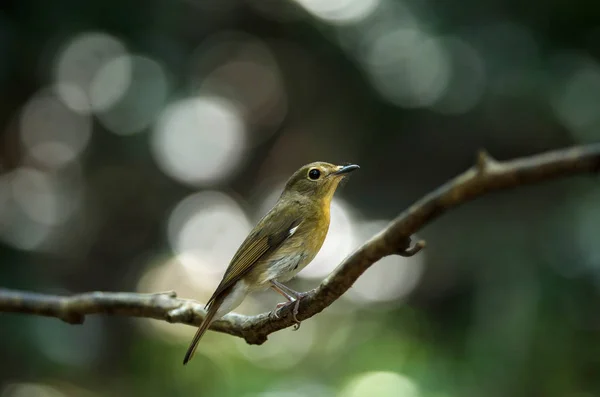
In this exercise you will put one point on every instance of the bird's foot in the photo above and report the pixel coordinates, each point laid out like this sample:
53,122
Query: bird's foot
296,303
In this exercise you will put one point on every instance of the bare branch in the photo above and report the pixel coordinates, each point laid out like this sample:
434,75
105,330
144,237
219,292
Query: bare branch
487,175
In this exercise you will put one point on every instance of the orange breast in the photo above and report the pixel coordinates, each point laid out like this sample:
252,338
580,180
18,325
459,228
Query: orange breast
295,253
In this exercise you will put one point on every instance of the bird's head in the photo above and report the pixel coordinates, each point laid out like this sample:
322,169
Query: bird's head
318,180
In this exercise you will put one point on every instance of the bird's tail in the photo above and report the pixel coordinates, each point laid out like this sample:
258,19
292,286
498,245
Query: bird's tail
223,303
208,320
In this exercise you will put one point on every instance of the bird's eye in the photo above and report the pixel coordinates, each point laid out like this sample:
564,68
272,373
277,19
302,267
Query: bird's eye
314,174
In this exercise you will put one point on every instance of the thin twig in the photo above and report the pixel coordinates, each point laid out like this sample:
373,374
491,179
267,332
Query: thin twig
487,175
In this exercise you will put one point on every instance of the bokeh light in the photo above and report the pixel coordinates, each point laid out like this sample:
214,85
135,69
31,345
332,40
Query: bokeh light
205,229
199,140
33,203
231,65
381,384
40,196
51,133
340,11
407,66
172,275
467,81
574,98
19,231
128,92
390,279
77,64
298,388
587,214
30,390
110,82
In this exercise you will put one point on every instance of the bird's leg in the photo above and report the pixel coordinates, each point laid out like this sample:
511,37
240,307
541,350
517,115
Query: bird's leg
292,296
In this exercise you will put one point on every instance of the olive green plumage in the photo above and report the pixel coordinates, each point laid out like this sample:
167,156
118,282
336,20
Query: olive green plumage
283,242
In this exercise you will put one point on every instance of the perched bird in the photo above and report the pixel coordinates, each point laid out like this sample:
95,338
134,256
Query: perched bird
283,242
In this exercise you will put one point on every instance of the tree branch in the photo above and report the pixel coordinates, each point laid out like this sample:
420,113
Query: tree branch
487,175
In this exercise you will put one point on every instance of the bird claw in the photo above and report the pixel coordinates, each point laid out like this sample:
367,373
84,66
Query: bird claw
275,312
283,305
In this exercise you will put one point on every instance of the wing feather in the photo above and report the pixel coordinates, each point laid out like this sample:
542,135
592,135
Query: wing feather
266,237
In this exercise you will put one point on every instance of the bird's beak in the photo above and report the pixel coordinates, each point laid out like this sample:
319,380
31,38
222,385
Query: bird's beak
345,169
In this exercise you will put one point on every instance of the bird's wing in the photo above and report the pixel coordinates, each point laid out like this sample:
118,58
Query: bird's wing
266,237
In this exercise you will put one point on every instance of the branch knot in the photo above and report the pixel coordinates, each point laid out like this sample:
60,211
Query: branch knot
485,162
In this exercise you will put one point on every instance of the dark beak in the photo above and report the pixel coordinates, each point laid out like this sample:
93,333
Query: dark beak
346,169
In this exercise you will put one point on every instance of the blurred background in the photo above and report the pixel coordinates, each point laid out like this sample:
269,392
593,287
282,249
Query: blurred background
141,140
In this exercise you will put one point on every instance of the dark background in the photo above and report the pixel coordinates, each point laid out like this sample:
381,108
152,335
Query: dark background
140,140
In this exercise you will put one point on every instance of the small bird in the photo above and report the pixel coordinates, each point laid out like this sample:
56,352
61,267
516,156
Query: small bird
283,242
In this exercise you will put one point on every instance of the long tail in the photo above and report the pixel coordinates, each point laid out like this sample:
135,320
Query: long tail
208,320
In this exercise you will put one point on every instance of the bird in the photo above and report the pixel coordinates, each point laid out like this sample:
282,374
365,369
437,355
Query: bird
281,244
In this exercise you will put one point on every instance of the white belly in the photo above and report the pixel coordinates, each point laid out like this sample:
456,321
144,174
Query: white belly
286,268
